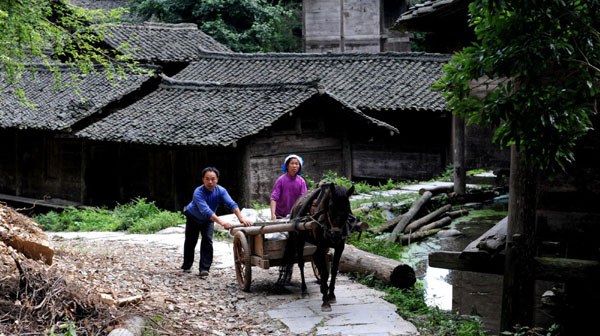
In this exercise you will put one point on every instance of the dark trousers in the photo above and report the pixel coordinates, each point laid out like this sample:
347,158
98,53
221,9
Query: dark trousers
192,228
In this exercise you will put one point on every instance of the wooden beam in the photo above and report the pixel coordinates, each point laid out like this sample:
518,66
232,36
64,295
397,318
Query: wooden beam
497,234
550,269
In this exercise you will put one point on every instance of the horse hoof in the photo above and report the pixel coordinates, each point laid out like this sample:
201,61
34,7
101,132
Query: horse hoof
304,295
326,308
332,300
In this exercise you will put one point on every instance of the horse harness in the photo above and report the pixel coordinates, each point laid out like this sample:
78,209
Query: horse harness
316,215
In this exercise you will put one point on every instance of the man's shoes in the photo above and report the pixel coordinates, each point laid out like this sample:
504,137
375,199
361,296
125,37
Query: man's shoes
203,273
186,268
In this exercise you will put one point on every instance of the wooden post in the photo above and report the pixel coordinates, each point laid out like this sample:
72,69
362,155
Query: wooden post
83,172
18,171
346,156
459,155
519,273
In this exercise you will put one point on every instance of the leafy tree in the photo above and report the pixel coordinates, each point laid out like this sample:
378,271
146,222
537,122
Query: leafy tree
539,64
545,56
51,31
242,25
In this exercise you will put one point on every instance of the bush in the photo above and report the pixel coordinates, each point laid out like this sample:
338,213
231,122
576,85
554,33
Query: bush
138,216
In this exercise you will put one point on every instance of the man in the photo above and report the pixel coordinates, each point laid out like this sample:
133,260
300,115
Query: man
200,218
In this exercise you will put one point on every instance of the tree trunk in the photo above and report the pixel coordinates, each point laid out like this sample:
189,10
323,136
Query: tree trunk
414,226
408,216
437,224
460,177
383,227
519,281
388,270
458,213
437,189
415,236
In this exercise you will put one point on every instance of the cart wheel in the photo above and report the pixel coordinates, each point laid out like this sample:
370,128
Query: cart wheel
241,255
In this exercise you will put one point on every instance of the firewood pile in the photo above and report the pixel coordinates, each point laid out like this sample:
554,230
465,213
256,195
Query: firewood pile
99,285
34,295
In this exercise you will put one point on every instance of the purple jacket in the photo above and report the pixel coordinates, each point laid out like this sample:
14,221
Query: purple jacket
286,191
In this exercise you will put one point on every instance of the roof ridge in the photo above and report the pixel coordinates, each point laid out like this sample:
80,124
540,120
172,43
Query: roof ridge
416,56
171,83
161,25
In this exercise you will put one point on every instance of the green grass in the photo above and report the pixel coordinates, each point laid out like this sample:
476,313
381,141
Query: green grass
138,216
371,243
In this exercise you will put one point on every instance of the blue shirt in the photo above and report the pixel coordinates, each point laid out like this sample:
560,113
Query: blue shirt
205,202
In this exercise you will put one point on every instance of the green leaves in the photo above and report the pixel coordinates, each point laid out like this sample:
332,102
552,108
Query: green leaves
53,31
242,25
545,63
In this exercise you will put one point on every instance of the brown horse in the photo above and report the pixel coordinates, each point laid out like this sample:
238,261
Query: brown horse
329,208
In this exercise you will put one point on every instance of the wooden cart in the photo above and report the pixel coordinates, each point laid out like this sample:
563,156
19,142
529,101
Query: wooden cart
251,248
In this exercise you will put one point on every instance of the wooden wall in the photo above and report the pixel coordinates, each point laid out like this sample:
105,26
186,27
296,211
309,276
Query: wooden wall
167,175
315,131
481,152
352,26
40,164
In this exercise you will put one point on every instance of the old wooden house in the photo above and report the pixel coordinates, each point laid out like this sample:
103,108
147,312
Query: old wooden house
554,267
391,87
352,26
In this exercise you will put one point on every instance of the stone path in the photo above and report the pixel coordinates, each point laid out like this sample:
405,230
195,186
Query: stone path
359,310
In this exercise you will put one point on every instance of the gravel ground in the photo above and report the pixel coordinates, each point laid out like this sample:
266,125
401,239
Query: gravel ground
175,302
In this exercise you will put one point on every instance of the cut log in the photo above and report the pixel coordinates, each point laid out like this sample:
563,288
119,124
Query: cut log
490,243
437,189
385,226
436,225
412,227
406,218
457,213
24,235
416,236
390,271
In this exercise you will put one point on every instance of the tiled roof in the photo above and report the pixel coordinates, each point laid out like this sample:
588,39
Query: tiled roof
59,109
384,81
100,4
107,5
192,113
426,14
151,41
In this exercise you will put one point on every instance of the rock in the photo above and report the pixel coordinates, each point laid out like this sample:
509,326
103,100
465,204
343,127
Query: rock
24,235
449,233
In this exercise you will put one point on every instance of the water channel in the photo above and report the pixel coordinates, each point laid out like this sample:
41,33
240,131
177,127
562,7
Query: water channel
464,292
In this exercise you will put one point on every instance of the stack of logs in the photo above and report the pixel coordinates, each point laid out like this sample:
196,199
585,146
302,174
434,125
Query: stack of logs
407,230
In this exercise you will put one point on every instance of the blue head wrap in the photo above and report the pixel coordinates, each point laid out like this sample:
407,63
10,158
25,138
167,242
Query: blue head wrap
287,159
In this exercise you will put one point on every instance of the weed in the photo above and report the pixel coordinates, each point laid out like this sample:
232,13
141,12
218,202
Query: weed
370,243
69,327
553,330
258,206
138,216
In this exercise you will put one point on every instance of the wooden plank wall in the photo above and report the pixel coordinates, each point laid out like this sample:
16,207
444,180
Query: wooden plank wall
395,162
342,25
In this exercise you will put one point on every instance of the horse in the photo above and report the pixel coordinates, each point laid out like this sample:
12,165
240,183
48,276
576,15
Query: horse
328,207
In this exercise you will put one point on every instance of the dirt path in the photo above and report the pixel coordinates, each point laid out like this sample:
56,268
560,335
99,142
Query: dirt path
184,304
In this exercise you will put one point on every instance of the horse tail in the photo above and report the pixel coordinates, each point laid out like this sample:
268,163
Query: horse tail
300,209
